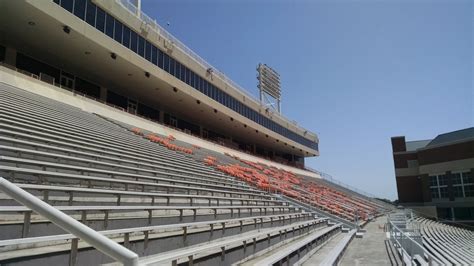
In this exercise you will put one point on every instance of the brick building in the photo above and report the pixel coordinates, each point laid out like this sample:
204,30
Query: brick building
436,176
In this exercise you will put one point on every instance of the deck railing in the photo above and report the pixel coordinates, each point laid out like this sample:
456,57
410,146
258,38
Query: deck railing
69,224
409,241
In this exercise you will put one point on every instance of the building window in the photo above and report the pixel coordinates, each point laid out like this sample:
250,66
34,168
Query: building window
469,190
154,55
126,37
109,25
458,191
438,186
134,41
148,51
90,13
67,4
100,20
166,63
80,8
463,184
141,46
118,31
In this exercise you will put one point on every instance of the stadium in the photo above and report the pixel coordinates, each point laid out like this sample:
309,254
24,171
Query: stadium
120,145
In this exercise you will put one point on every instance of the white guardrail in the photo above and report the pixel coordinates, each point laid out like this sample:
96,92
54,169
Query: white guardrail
66,222
128,5
410,248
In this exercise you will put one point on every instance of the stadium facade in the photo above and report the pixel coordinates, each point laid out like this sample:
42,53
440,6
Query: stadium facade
436,176
111,54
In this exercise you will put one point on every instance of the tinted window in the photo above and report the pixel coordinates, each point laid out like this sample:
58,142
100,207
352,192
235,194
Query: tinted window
109,25
80,8
154,55
118,31
177,69
161,59
141,46
206,87
90,13
198,82
172,65
182,77
148,50
134,41
126,37
67,4
100,20
166,63
188,76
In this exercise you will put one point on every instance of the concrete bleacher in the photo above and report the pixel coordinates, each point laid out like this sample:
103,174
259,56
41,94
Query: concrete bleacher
165,205
450,244
328,199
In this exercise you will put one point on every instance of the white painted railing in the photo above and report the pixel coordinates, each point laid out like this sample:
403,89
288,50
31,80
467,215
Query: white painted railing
66,222
410,248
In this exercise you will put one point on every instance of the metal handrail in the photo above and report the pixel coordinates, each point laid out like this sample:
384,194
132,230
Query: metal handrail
398,233
69,224
126,4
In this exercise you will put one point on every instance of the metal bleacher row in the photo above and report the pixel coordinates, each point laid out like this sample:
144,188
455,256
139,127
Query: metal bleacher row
165,205
450,244
346,205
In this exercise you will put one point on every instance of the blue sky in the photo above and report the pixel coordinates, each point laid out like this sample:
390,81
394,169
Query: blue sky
355,72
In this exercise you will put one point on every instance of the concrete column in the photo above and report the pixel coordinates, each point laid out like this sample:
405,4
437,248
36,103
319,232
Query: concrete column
103,94
449,179
10,56
425,188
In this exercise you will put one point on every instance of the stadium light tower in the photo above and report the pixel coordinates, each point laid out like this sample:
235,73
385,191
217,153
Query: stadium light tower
269,87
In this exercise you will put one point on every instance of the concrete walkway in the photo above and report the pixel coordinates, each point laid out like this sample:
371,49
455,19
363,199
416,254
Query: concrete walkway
369,250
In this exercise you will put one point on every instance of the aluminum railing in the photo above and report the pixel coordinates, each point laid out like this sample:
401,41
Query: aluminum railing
126,4
408,240
69,224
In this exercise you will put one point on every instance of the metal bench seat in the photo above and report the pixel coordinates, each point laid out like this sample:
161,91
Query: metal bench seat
253,219
438,251
219,246
178,170
77,161
181,179
40,176
28,137
68,131
453,248
62,242
170,161
151,195
296,246
20,221
68,151
336,253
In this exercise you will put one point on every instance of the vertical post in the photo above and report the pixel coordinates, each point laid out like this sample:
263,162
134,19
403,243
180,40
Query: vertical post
139,7
73,254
